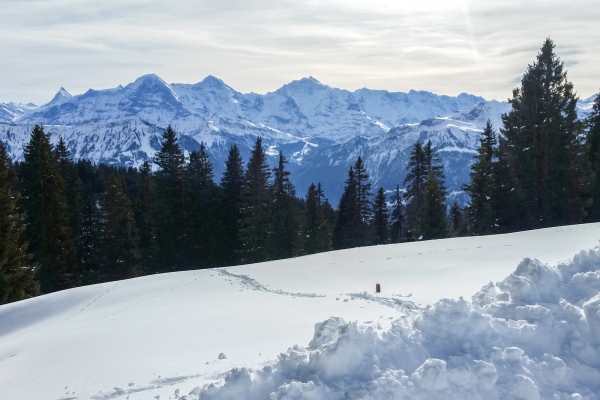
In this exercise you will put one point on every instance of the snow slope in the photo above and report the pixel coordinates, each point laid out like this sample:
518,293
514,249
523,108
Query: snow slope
154,335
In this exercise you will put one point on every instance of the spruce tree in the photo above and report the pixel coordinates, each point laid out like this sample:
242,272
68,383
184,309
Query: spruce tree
203,226
433,164
381,218
353,225
593,155
231,184
541,132
90,249
481,188
120,256
73,194
47,216
317,226
256,219
171,208
287,240
415,182
433,223
397,217
363,191
17,270
145,219
348,223
457,219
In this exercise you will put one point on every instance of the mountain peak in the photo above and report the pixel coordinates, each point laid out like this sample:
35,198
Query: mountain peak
148,79
63,92
303,85
60,97
211,82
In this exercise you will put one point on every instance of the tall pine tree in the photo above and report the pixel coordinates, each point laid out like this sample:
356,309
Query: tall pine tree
541,132
353,225
433,223
256,218
381,218
318,221
231,184
397,217
171,207
593,153
481,188
145,219
287,240
415,182
120,256
203,228
17,270
47,216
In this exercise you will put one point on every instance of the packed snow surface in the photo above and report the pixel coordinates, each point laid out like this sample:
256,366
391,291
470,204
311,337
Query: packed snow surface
519,319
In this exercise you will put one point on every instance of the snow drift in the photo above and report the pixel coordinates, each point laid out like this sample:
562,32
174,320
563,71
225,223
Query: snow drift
535,334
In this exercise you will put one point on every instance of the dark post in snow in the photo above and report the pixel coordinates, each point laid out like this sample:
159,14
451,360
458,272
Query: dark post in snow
377,288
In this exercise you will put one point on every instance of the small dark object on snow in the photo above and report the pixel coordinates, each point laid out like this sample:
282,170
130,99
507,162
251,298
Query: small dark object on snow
377,288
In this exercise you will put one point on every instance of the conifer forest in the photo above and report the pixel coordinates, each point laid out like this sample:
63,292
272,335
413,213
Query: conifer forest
67,223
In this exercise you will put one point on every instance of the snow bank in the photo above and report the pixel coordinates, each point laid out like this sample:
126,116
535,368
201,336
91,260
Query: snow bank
534,335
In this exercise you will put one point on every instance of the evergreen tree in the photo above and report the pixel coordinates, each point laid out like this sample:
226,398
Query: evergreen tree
433,164
506,208
73,194
90,249
541,132
353,225
286,241
171,210
593,153
415,182
231,184
481,188
47,216
433,223
381,218
363,192
317,225
203,226
17,271
348,222
457,219
256,222
397,218
145,219
120,254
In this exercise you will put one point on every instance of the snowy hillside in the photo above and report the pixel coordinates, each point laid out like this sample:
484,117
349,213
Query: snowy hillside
320,129
533,333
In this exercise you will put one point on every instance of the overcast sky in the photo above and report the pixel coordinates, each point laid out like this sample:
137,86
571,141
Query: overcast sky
447,47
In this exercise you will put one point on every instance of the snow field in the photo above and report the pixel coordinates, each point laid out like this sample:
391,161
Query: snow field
532,335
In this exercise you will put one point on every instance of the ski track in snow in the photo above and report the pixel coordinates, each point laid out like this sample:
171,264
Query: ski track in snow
404,306
93,301
253,284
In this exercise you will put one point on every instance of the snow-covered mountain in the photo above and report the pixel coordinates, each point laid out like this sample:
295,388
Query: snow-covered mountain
319,128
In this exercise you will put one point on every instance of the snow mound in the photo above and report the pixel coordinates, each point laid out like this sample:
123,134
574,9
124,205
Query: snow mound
534,335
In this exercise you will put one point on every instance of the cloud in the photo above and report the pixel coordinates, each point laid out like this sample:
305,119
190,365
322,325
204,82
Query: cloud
441,46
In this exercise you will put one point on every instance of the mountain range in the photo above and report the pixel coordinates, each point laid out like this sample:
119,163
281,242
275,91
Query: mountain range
320,129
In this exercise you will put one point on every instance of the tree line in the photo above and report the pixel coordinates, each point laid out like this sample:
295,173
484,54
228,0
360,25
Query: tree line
66,223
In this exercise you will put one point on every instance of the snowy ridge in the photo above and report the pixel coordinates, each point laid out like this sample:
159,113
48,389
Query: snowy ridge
536,334
320,129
